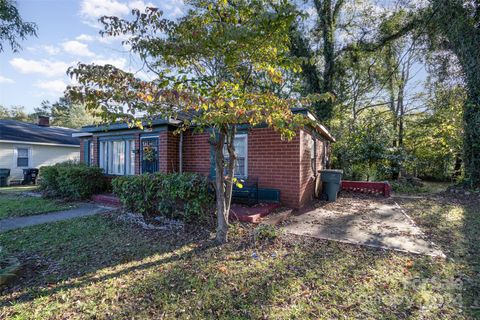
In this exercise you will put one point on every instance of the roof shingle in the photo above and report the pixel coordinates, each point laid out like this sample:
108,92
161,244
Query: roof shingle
12,130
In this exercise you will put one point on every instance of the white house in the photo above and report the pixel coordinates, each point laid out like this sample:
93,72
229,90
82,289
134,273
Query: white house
29,145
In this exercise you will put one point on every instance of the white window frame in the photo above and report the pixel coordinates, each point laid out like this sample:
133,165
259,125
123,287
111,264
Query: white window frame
90,153
313,153
243,136
29,156
106,159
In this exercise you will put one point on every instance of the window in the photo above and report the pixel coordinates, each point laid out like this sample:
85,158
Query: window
130,151
117,157
313,154
241,167
22,157
90,153
325,154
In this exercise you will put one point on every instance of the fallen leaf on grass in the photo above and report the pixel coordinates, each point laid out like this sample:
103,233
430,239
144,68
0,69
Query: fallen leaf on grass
409,264
223,269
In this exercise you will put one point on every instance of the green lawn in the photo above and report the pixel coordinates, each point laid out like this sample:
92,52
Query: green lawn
429,187
97,267
13,204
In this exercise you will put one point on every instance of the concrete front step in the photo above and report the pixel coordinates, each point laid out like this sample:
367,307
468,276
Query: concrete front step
277,218
252,214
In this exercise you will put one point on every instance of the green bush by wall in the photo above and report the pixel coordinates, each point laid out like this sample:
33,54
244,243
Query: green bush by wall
182,196
72,180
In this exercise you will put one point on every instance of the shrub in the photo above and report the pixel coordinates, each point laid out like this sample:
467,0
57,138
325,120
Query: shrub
72,180
404,186
182,196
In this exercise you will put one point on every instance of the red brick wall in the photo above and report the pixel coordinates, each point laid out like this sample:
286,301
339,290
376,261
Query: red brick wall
83,141
307,175
275,163
168,151
137,154
82,149
96,148
196,153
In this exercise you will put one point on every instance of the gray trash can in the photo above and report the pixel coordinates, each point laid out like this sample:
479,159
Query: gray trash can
331,183
4,174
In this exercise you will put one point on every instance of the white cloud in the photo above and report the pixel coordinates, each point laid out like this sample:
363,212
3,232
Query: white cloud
85,37
45,67
77,48
139,4
120,63
94,9
54,87
172,8
52,50
6,80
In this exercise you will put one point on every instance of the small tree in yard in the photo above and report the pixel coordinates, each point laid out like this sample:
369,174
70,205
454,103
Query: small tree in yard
215,65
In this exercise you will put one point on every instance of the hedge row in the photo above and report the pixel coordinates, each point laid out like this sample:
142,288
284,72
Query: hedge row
182,196
72,180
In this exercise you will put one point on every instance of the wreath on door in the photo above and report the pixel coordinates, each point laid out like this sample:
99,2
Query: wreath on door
149,154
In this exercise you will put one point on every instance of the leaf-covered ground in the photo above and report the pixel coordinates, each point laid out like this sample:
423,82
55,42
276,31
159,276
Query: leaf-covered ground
100,268
14,204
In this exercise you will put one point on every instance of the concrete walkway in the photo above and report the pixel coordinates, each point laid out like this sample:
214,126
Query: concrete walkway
83,210
374,223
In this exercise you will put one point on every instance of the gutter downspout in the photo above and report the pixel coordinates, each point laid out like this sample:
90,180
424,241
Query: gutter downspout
180,153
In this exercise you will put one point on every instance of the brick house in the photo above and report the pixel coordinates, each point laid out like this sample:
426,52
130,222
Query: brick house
284,171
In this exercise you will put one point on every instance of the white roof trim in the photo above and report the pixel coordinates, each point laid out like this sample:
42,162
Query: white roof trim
41,143
321,127
81,134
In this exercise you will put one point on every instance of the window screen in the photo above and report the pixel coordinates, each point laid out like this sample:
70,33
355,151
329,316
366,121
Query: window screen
22,157
240,143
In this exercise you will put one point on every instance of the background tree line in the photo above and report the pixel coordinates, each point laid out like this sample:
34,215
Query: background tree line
368,55
62,113
404,76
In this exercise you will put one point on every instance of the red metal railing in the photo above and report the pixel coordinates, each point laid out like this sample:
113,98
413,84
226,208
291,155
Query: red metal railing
367,187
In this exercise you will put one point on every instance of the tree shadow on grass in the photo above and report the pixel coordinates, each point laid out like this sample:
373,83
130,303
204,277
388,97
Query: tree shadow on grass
453,222
191,278
69,254
314,279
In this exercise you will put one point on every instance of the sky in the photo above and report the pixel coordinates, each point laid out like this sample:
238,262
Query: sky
68,33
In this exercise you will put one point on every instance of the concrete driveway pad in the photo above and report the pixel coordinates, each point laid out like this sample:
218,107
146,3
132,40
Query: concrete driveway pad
369,222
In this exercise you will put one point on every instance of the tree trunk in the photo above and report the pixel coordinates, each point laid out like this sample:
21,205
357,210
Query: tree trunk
224,185
222,213
328,29
455,22
390,64
401,103
471,141
457,168
232,157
